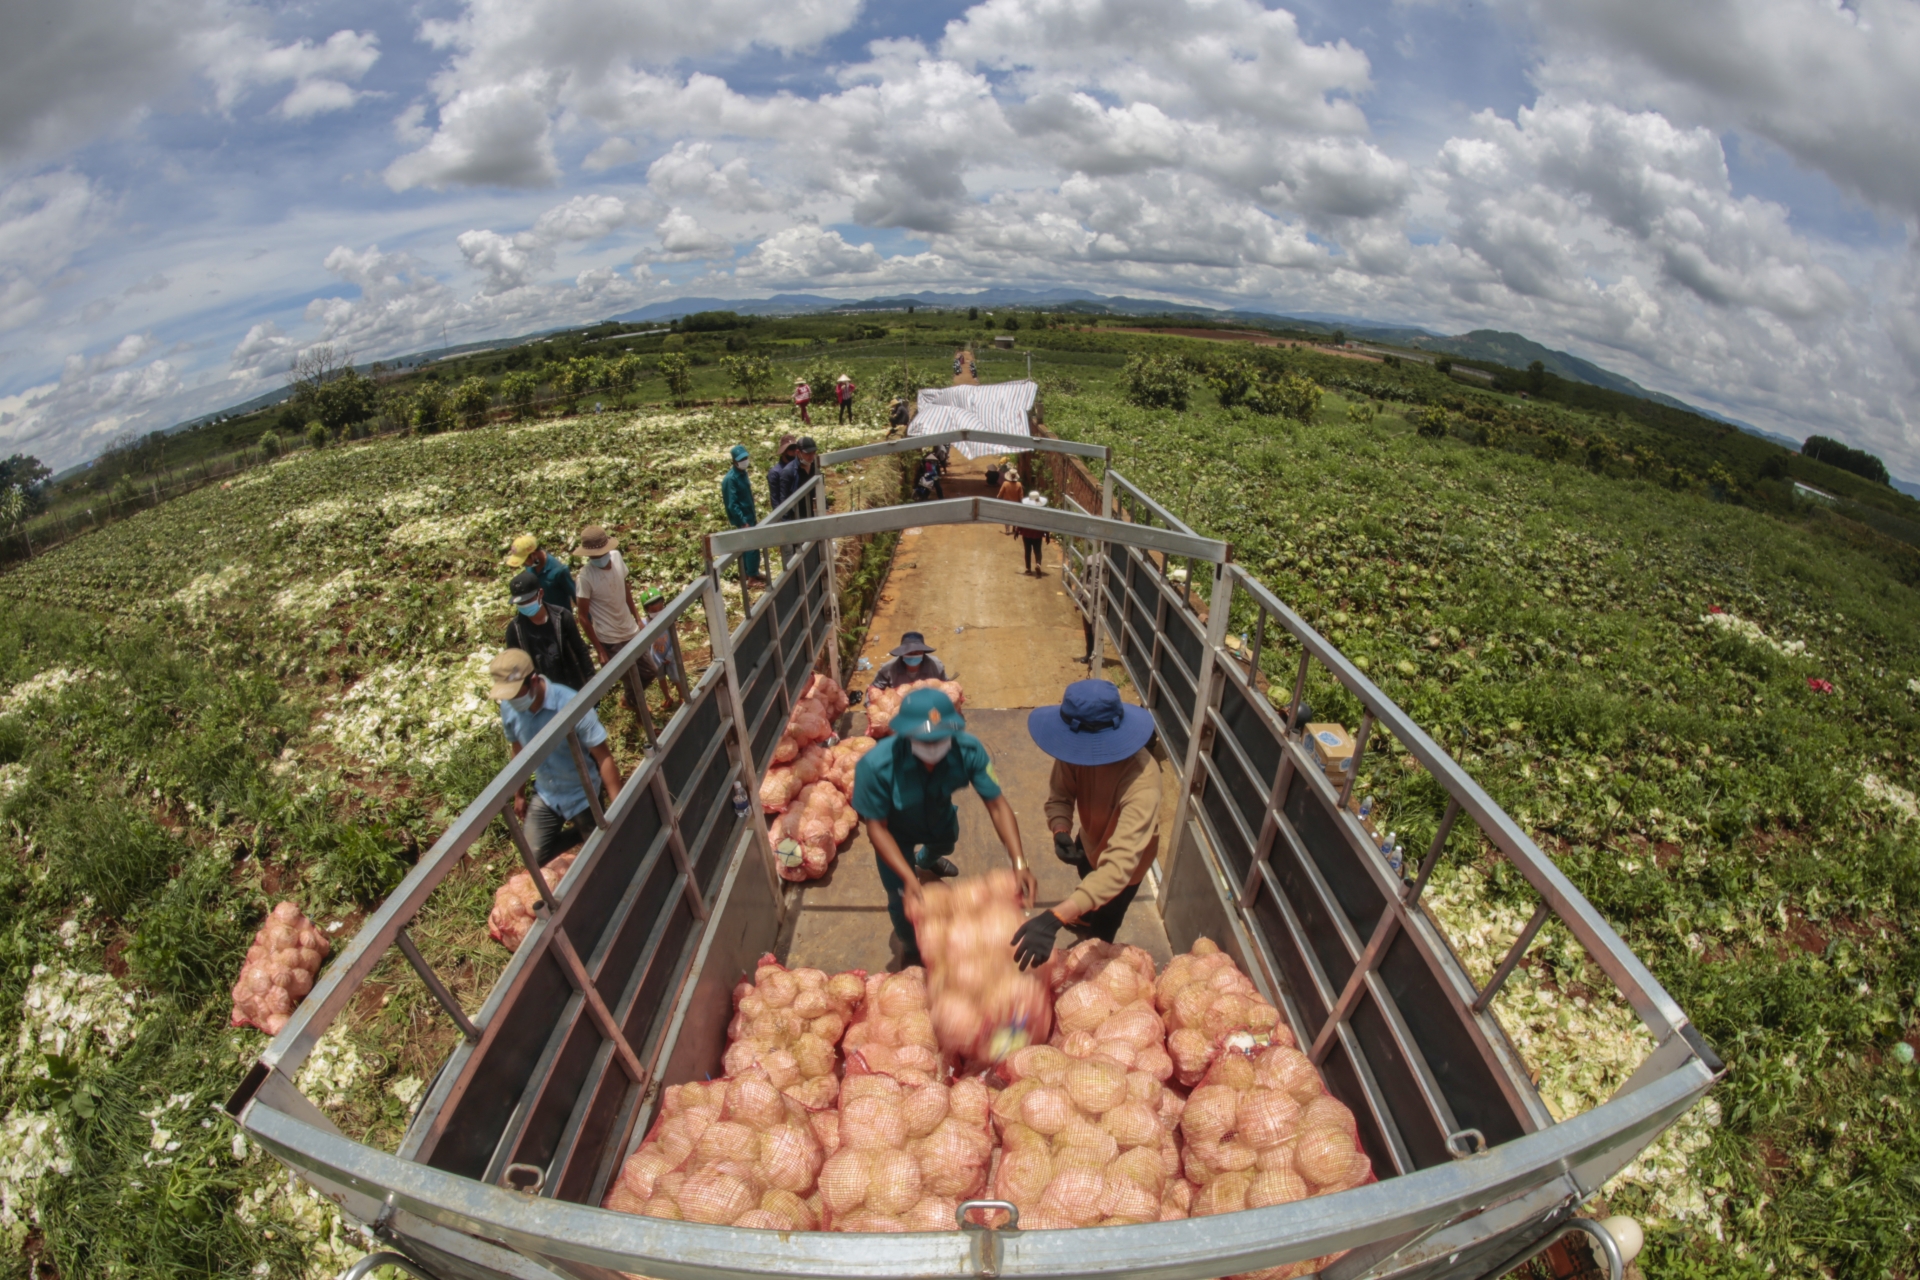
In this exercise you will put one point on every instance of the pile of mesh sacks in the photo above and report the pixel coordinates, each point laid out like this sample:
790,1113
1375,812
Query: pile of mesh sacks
854,1103
882,703
515,901
808,792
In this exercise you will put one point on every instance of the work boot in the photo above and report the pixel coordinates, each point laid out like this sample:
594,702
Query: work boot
944,868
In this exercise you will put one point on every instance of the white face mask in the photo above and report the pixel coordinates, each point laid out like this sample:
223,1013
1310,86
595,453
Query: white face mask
740,465
932,752
601,562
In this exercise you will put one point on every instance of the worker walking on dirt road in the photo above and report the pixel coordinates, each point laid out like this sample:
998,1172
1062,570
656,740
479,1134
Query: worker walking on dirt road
736,492
902,790
1031,540
559,815
912,660
1011,490
1103,771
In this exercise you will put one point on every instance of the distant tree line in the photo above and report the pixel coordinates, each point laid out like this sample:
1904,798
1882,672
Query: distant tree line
1845,457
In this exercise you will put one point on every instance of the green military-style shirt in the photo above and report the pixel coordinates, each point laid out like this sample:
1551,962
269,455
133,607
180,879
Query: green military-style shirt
915,802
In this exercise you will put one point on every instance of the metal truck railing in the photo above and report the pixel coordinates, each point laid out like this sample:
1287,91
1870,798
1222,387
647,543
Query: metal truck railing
623,983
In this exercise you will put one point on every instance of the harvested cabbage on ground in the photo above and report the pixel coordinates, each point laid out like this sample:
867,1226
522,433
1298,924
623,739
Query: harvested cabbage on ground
788,1023
984,1007
279,969
514,902
882,703
1204,998
903,1156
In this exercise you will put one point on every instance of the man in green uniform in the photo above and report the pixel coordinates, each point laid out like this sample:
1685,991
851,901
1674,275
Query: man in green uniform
736,492
902,790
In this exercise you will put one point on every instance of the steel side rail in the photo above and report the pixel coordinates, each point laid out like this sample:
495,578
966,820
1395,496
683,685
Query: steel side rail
1194,1249
1642,990
369,946
968,435
961,511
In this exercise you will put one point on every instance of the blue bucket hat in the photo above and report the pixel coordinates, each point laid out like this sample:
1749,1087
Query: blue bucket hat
1090,725
739,453
926,715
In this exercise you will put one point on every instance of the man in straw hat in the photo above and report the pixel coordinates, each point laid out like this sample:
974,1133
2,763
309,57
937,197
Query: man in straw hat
843,390
1031,539
559,816
607,614
1104,772
556,580
902,790
913,660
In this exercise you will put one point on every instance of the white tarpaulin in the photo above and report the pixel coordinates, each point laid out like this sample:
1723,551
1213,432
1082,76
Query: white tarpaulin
1000,407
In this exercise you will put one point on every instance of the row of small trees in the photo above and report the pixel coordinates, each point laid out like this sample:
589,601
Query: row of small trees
1166,382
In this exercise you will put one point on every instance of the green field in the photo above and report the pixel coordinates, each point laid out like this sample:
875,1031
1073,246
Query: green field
272,689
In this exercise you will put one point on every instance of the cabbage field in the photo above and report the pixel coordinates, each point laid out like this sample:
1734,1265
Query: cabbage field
273,689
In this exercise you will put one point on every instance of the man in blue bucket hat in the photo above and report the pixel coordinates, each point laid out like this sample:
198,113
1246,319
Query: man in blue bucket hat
1104,772
902,790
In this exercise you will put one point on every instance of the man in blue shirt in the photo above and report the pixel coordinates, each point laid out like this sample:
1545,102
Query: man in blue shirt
556,580
559,815
902,790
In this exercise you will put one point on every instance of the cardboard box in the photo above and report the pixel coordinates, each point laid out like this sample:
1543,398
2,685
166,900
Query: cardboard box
1332,747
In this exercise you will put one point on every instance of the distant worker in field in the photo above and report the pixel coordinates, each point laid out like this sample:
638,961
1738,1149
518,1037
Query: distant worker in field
547,633
912,660
1032,540
927,484
736,492
1104,773
899,414
843,390
555,578
802,397
902,790
560,814
661,661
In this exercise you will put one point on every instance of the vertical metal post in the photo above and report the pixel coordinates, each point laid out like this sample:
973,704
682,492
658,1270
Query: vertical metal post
722,646
676,844
1359,750
588,780
437,987
1205,694
519,836
833,614
1098,593
1517,950
1434,851
562,947
1299,692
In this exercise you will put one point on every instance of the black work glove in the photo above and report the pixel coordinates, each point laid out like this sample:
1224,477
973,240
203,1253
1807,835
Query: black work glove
1033,941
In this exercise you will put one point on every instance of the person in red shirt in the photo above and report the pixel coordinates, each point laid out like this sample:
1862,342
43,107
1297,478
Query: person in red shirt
802,397
843,390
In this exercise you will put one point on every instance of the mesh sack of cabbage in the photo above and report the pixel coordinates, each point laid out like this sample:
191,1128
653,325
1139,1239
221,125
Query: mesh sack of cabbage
1086,1142
731,1152
814,712
514,902
1261,1130
882,703
279,969
1103,1003
1205,998
902,1156
894,1035
984,1007
787,1023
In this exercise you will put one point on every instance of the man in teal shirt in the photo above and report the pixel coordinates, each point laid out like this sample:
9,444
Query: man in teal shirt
736,491
902,790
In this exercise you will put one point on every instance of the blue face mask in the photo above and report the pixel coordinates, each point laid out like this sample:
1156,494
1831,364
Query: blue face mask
522,703
528,610
913,659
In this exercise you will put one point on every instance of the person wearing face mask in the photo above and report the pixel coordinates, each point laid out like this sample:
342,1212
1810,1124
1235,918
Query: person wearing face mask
555,578
912,660
1105,773
736,492
547,633
559,816
607,615
902,791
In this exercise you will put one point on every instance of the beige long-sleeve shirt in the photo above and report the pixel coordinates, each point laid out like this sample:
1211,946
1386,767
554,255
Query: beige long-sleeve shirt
1119,810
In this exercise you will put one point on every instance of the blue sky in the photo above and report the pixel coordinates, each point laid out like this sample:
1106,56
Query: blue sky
1719,200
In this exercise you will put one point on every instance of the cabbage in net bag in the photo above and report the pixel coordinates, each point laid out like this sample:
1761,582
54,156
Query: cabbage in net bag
1103,1003
1086,1141
727,1152
1205,998
984,1008
894,1035
903,1156
787,1023
1261,1130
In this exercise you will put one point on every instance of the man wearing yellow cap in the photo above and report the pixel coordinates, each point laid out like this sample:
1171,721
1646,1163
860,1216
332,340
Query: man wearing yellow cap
556,580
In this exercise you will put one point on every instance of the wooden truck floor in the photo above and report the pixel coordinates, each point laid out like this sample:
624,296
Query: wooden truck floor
1011,640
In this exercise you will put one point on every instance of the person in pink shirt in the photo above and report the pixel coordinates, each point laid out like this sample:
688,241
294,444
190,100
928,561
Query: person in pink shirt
843,395
802,397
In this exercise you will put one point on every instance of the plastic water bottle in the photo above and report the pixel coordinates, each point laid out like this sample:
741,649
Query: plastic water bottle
1366,808
739,800
1392,850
